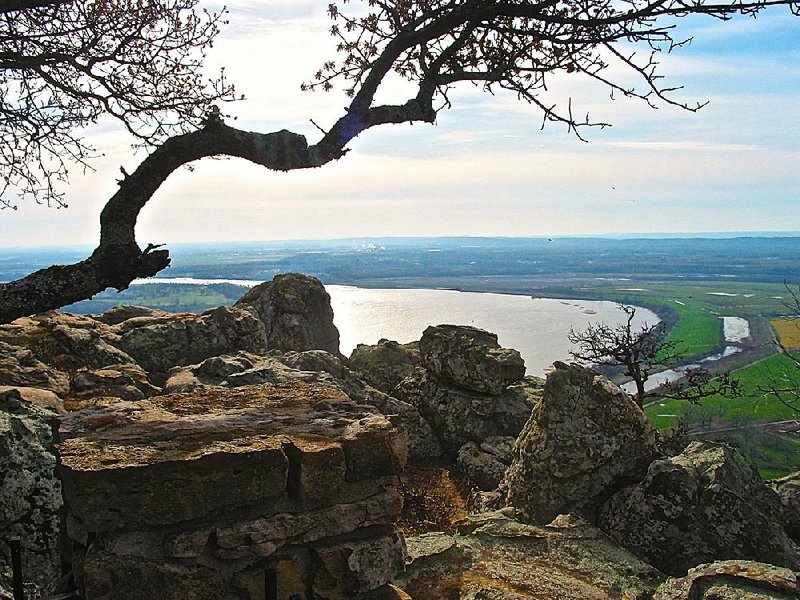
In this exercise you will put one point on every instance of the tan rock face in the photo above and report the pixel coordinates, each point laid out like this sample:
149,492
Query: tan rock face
256,475
296,312
788,488
732,580
585,439
496,556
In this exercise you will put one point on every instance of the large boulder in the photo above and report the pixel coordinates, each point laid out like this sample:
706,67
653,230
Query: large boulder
705,504
203,495
788,488
458,415
296,312
186,338
584,440
732,580
126,381
385,364
30,492
486,463
470,358
495,556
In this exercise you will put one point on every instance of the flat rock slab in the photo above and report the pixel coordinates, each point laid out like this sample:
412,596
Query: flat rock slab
182,457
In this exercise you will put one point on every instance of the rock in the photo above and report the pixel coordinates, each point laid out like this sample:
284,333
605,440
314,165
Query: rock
213,489
732,580
705,504
126,381
788,488
184,339
470,358
356,566
38,397
385,364
123,312
484,469
458,416
313,360
584,440
64,342
422,441
495,556
296,312
20,368
30,492
243,368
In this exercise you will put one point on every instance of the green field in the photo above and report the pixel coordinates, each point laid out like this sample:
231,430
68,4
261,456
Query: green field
753,406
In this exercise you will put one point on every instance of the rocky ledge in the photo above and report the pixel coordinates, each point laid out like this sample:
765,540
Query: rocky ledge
200,495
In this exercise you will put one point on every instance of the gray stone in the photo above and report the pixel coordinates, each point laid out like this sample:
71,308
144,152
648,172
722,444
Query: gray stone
385,364
584,440
187,339
126,381
470,358
124,312
30,492
484,469
788,488
458,416
296,312
705,504
313,360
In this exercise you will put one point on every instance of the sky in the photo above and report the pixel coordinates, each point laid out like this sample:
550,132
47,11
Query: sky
486,167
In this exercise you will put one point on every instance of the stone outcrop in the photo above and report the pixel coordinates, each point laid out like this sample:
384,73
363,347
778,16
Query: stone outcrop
242,368
30,492
201,494
486,463
584,440
705,504
64,342
126,381
186,338
470,358
788,489
459,416
732,580
296,312
385,364
495,556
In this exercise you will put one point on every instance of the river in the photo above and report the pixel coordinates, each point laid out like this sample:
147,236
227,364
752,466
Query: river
537,327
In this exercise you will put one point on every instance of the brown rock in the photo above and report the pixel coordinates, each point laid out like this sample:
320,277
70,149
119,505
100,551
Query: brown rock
296,312
498,557
732,580
142,464
114,577
126,381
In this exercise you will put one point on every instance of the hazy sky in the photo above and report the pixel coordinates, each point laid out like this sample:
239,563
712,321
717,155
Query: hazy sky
485,168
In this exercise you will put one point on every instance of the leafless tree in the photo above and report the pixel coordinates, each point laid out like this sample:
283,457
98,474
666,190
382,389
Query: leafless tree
66,64
436,44
643,351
